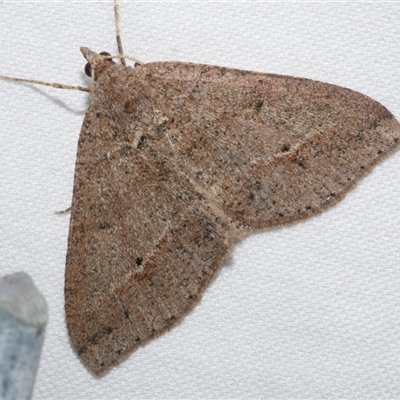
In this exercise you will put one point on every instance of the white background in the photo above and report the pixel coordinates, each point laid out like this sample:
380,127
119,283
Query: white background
307,311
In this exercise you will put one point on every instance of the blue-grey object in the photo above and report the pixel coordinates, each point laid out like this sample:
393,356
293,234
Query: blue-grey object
23,318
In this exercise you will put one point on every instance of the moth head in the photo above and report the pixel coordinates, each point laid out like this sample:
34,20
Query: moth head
94,59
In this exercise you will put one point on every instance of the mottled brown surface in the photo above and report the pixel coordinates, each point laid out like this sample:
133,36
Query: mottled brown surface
177,161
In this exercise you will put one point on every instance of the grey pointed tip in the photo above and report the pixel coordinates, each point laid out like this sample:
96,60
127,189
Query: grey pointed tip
21,298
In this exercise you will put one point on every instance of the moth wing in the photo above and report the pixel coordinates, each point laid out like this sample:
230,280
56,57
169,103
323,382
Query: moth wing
140,252
177,163
270,149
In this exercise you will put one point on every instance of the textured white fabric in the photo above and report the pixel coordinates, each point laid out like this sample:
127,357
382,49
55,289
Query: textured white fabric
307,311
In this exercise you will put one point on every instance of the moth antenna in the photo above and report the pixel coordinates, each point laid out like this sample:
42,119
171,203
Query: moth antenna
54,85
118,27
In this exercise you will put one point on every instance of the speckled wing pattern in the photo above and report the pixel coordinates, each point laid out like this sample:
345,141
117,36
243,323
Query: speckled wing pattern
175,162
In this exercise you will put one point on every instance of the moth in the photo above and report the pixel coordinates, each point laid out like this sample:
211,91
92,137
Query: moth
178,161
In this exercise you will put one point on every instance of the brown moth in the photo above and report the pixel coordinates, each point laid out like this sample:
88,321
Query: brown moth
178,161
